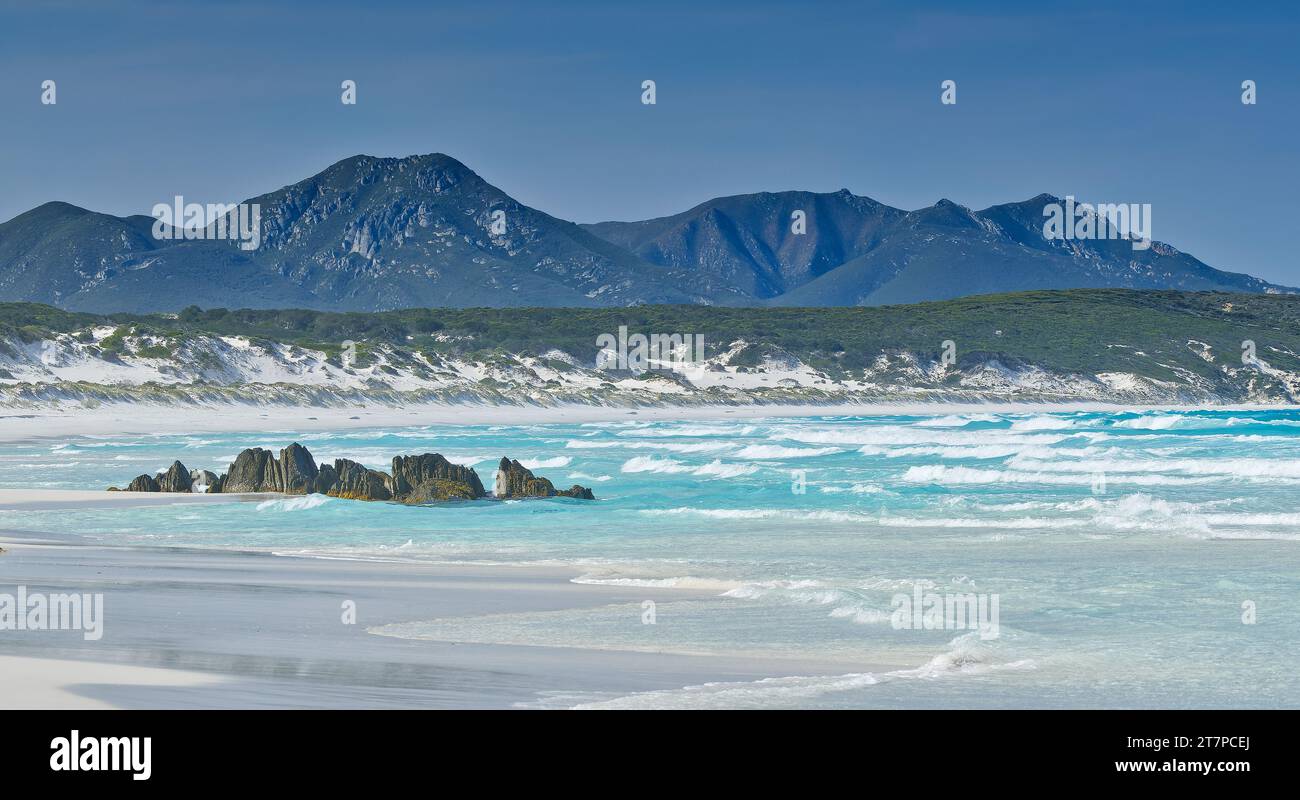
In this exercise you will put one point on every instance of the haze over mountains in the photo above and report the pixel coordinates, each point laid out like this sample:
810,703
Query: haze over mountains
370,234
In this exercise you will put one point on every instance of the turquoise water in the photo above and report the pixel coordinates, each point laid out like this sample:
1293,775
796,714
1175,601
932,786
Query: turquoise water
1123,549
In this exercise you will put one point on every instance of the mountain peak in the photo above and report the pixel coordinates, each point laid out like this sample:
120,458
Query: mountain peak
54,209
374,233
361,166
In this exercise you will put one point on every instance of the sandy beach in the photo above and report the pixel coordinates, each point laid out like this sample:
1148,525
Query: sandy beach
767,597
23,424
191,628
209,629
48,499
134,418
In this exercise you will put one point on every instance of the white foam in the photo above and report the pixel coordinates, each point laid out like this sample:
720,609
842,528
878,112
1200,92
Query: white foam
1043,423
954,420
546,463
653,464
294,503
965,657
717,469
1228,467
762,451
857,488
684,582
948,475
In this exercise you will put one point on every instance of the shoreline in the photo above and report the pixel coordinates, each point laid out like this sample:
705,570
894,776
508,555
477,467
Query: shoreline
50,499
189,628
126,418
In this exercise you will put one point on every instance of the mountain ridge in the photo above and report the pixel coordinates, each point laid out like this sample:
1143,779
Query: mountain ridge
380,233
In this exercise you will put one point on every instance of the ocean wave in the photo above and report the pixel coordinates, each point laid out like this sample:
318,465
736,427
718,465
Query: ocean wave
1164,422
1228,467
673,447
762,451
694,430
717,469
1136,503
294,503
977,452
1043,423
848,604
668,466
882,518
1014,523
898,436
857,488
948,475
684,582
762,513
955,420
546,463
654,464
582,476
965,656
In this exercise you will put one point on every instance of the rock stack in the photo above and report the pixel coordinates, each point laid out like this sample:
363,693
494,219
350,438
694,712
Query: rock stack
414,480
514,480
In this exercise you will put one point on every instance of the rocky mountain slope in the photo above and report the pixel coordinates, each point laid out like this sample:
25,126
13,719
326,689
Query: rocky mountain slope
374,234
856,251
366,234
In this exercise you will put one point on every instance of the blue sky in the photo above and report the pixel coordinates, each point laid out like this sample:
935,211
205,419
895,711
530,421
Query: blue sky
1112,102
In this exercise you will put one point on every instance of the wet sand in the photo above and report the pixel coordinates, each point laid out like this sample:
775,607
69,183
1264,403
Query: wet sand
220,629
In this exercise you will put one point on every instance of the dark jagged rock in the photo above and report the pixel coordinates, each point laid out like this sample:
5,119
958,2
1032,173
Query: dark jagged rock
430,478
355,482
296,470
325,478
437,491
253,470
514,480
143,483
257,470
415,480
175,479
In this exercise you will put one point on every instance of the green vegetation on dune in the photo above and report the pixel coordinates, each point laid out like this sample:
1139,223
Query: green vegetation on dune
1083,330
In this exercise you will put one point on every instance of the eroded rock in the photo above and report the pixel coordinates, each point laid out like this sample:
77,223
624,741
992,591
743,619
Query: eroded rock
415,480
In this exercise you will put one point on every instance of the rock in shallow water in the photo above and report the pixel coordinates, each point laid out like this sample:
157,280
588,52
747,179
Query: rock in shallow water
143,483
514,480
258,470
430,477
355,482
415,480
175,479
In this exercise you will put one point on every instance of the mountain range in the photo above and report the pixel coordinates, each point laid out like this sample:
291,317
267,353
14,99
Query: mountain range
373,234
